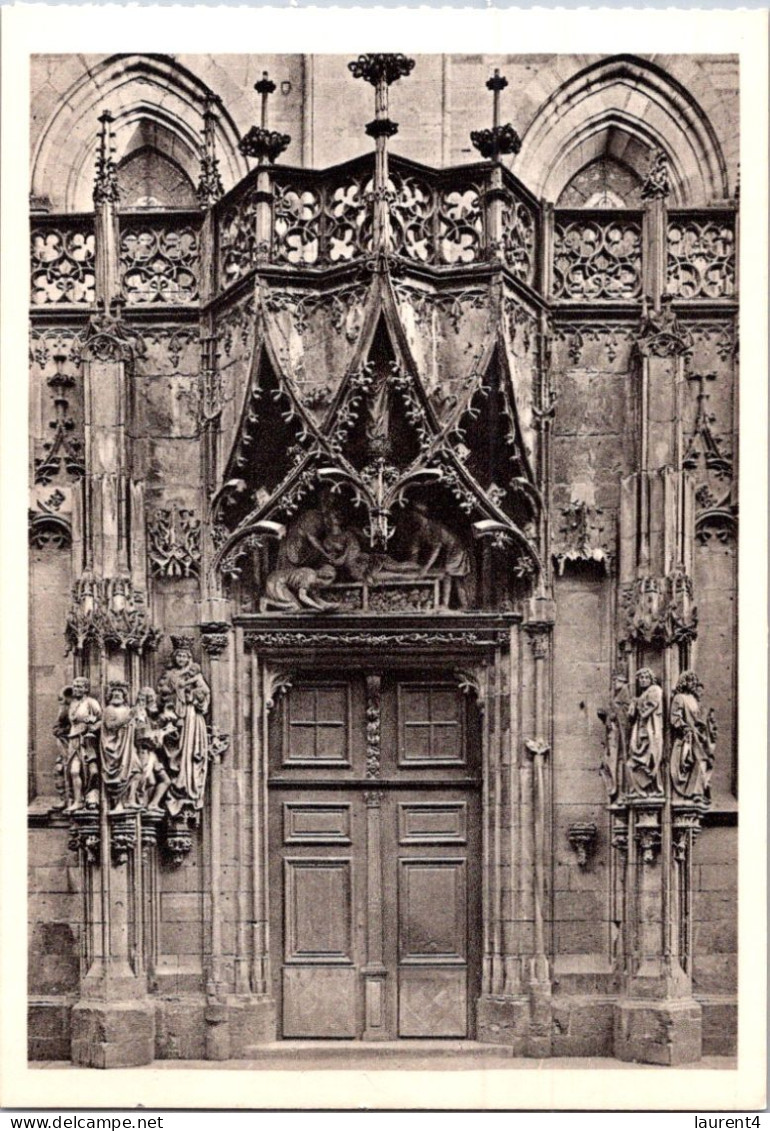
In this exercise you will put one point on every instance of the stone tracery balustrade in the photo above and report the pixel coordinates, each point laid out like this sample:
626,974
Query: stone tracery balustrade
597,255
323,219
160,258
701,255
62,261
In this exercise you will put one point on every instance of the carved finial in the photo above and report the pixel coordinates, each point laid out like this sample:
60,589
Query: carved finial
106,188
656,183
210,186
500,140
264,88
381,71
260,142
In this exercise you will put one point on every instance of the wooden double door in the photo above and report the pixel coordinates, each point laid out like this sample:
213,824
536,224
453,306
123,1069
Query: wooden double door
374,856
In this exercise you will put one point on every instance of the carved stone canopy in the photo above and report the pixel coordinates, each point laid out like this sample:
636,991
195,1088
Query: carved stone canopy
381,450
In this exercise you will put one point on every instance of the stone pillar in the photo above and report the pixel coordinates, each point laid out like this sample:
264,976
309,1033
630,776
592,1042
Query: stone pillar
113,1023
251,1008
656,1019
502,1012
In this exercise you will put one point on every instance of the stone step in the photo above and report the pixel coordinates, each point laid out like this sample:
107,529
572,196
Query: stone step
356,1050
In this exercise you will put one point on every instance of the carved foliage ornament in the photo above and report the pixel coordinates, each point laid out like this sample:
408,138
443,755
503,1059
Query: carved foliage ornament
109,613
174,543
659,610
581,537
64,451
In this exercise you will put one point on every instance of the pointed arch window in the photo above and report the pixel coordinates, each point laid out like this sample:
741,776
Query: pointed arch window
151,180
604,183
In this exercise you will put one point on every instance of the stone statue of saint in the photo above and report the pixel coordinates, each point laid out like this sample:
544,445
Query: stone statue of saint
297,588
79,732
615,719
645,748
436,547
694,740
185,693
152,732
118,756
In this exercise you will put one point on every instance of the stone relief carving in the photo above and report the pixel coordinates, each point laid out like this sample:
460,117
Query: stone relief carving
174,542
659,610
297,588
320,552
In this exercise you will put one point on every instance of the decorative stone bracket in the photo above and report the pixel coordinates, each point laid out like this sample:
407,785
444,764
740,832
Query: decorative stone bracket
582,837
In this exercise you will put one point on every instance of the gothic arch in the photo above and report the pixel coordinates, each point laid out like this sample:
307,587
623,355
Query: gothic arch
148,93
623,107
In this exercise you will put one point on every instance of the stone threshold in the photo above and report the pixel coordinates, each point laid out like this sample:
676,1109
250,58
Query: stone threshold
492,1058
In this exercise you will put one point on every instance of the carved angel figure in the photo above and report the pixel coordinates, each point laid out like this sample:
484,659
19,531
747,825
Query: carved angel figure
694,740
185,697
77,730
118,757
645,747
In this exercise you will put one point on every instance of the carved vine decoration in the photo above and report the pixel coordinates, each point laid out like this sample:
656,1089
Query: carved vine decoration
174,542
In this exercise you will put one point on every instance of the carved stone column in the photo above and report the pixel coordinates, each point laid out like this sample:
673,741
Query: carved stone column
656,1018
538,628
113,1023
251,1008
502,1014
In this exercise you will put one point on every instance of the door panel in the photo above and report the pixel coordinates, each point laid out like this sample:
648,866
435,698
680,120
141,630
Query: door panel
318,911
432,1003
432,912
389,855
319,1002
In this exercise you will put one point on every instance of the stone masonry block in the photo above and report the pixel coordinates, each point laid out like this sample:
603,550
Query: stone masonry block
658,1033
113,1034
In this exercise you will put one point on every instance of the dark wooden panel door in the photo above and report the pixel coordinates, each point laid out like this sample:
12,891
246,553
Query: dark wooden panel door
374,876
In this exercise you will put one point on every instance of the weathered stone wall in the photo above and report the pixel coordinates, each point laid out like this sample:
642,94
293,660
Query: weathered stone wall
324,109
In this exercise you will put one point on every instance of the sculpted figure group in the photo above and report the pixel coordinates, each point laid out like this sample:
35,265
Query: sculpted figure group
633,761
150,755
319,549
